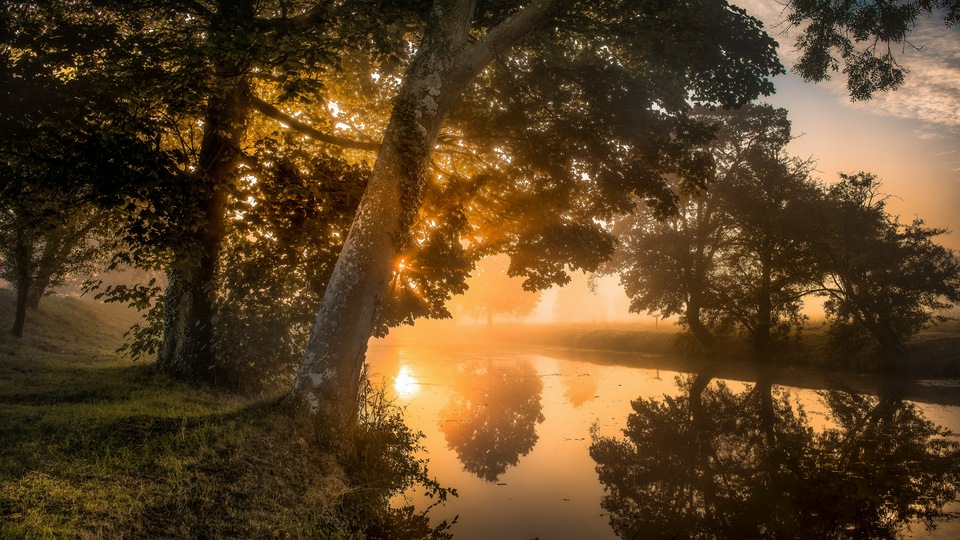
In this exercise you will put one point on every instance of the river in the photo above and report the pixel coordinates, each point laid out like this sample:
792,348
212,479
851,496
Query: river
511,430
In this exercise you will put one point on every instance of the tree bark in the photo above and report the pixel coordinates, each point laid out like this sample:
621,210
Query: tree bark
190,300
22,255
328,381
697,328
761,336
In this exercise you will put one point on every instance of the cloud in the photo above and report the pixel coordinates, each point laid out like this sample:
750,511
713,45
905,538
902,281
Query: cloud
931,92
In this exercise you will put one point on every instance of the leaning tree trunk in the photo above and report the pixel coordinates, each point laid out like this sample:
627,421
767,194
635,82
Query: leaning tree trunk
190,298
328,381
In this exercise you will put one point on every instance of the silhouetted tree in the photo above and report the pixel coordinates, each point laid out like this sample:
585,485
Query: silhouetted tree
881,278
491,290
737,256
860,39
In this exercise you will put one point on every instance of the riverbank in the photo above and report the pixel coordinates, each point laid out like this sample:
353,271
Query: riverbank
96,446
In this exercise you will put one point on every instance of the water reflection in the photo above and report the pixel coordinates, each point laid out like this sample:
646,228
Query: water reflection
712,462
405,384
491,420
579,386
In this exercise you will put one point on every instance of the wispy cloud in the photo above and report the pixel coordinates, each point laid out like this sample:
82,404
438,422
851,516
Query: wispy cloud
931,92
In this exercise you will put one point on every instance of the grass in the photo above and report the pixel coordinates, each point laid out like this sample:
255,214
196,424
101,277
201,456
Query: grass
933,353
95,446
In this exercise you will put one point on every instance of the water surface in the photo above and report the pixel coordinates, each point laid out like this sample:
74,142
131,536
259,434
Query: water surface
510,429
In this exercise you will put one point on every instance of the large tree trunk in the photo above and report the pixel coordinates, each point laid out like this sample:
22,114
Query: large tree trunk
329,377
23,255
695,323
190,300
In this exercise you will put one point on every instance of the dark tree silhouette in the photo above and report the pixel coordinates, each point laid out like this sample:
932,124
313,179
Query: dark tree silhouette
737,256
882,279
711,463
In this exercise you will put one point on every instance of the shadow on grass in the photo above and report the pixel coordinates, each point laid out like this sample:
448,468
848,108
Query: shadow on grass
95,447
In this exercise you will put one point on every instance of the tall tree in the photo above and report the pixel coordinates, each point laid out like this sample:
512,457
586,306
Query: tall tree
711,53
493,291
65,120
767,266
736,257
880,277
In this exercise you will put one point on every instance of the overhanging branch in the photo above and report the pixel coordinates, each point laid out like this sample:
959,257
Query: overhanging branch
273,112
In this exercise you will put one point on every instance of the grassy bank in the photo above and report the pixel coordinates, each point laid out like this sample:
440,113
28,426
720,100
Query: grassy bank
933,353
95,446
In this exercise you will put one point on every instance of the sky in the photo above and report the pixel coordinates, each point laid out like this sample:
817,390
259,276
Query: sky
910,138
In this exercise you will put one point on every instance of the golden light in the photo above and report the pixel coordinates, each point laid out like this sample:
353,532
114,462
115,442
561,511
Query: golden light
405,384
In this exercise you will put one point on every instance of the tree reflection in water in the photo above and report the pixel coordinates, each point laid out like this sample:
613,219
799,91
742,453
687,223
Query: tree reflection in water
579,387
713,463
491,422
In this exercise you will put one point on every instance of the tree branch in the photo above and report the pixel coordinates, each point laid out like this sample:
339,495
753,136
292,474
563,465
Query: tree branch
307,19
501,37
273,112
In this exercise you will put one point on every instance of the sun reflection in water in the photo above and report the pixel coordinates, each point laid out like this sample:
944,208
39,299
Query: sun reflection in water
405,383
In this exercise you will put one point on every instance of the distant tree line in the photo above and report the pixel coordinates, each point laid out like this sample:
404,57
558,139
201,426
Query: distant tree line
741,256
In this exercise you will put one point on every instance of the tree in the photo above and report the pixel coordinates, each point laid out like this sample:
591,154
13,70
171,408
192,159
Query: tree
767,266
43,243
737,255
194,74
491,290
717,54
862,36
57,132
880,277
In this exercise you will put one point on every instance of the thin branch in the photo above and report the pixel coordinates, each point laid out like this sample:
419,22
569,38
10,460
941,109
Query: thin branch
273,112
305,20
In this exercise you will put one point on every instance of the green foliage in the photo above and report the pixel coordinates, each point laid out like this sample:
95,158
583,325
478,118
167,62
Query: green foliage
575,122
860,38
378,455
96,447
290,219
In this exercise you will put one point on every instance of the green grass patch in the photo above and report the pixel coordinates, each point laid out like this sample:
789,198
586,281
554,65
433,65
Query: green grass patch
96,446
